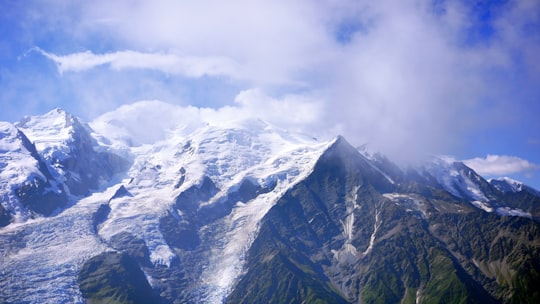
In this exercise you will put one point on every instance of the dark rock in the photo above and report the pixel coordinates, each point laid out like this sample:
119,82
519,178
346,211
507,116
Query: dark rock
100,216
5,217
131,245
36,196
85,168
189,200
121,192
179,234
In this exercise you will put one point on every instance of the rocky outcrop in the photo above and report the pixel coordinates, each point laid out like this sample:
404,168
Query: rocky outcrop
113,277
347,234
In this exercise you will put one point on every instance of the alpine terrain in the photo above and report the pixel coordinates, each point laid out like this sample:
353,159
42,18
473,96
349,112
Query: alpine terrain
149,205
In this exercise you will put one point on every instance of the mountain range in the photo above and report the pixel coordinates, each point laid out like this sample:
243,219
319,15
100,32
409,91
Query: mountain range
145,205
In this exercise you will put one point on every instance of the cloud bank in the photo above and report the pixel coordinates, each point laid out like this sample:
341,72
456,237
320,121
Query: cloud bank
150,121
498,165
407,77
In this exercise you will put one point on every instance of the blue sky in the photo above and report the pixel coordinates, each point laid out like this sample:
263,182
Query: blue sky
410,78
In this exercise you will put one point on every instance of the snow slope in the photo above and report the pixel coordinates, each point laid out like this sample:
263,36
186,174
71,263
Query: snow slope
506,184
50,133
17,167
228,154
16,161
43,256
451,176
462,182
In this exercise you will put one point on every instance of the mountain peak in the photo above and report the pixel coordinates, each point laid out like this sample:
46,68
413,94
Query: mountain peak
506,184
509,185
52,131
57,117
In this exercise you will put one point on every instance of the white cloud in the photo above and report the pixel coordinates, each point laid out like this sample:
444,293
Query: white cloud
145,121
405,79
271,39
496,165
292,111
190,66
149,121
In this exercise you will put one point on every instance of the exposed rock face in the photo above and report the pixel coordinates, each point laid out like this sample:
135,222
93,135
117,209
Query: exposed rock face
5,217
344,235
86,168
37,197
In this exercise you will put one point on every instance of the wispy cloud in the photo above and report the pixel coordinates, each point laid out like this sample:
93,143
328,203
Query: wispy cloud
497,165
189,66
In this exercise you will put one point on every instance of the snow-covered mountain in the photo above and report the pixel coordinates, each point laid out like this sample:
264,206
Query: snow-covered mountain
508,185
188,206
24,179
494,195
242,162
67,146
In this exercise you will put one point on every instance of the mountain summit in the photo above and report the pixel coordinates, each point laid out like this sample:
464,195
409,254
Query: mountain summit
213,211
